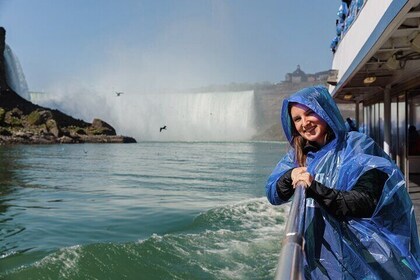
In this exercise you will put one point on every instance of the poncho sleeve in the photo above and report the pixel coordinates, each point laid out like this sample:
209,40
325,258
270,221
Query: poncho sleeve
285,164
359,202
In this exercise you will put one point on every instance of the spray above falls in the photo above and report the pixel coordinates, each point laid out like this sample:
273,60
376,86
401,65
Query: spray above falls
211,116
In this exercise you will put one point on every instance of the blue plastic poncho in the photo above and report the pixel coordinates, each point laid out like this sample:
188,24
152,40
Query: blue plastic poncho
385,246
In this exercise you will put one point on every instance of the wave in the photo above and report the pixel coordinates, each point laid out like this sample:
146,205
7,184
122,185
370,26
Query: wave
239,241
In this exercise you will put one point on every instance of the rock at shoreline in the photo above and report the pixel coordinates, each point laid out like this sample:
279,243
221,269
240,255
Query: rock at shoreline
43,126
22,122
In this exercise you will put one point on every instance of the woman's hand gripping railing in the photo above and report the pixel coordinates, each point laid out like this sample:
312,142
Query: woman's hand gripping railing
290,265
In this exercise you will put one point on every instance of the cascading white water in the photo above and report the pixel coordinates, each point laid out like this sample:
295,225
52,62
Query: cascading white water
14,73
214,116
221,116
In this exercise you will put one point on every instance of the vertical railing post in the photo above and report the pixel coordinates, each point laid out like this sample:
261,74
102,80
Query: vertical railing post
290,265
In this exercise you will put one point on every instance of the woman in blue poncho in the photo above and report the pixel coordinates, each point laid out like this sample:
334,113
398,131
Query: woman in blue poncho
359,221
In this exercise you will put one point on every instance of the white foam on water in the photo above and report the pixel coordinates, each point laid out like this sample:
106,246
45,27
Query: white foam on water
234,242
67,259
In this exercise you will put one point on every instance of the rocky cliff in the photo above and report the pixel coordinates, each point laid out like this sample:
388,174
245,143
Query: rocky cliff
22,122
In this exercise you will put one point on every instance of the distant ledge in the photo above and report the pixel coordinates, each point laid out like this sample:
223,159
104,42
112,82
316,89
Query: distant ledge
22,122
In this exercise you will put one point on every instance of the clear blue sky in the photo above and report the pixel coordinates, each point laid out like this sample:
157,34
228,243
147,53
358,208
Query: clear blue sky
140,45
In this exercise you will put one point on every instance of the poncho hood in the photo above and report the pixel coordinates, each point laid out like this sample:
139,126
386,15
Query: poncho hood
318,99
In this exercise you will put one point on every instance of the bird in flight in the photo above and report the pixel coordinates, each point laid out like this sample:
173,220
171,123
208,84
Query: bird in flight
162,128
118,93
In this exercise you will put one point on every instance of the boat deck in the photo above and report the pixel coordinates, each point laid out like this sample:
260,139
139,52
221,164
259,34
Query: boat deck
414,191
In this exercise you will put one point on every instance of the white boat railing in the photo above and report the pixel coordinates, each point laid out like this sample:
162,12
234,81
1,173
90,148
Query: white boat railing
290,265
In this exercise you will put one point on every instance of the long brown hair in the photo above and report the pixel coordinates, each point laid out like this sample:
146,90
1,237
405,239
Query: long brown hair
298,143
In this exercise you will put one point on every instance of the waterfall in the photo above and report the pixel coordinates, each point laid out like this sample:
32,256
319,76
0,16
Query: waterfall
221,116
14,73
214,116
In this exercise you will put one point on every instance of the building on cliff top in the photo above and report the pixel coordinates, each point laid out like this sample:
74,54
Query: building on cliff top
299,76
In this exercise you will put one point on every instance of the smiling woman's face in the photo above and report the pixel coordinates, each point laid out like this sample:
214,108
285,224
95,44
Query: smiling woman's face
308,124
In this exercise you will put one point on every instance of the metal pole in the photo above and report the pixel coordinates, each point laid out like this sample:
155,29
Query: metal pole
387,120
357,103
290,265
